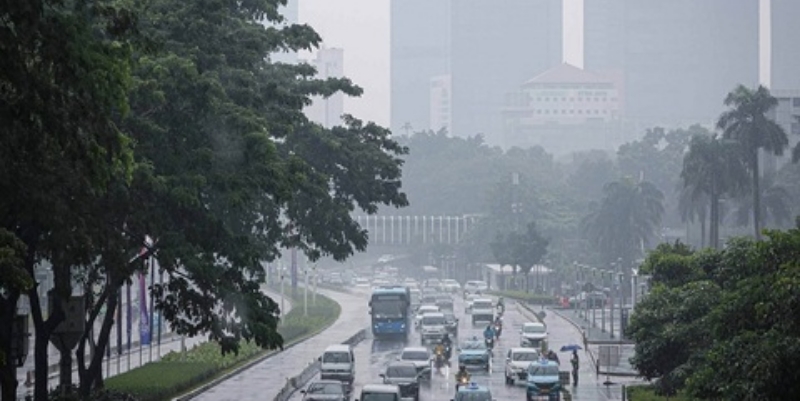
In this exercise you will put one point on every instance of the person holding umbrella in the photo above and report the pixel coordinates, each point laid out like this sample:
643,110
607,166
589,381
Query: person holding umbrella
575,365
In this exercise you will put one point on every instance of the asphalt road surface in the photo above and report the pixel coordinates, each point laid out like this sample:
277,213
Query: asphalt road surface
373,355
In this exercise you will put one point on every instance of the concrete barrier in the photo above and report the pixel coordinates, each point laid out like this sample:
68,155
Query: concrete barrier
309,372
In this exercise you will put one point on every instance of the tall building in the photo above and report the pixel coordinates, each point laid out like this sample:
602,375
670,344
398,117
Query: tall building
328,111
441,100
290,13
679,58
419,52
494,48
785,60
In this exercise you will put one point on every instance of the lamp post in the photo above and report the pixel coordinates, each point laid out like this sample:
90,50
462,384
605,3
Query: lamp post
316,280
305,290
283,276
603,310
594,307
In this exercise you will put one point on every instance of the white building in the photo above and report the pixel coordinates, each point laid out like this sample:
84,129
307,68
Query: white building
328,111
565,109
440,103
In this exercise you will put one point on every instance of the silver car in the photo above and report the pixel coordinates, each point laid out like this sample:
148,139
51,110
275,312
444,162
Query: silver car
325,390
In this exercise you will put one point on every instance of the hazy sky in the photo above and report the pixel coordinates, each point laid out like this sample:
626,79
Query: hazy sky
361,28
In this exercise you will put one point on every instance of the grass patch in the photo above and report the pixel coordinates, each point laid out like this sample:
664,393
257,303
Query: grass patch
178,372
648,393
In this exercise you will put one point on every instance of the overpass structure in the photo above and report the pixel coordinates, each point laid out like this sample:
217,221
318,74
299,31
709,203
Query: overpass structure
416,230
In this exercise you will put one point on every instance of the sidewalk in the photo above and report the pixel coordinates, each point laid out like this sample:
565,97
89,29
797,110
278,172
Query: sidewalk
597,328
116,363
264,380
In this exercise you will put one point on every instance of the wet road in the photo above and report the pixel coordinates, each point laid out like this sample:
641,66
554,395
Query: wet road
264,380
372,356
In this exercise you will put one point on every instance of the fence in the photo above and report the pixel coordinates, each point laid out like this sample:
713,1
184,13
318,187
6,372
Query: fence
297,382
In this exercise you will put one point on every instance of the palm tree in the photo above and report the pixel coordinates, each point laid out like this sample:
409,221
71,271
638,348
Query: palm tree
628,216
747,123
775,203
712,167
691,207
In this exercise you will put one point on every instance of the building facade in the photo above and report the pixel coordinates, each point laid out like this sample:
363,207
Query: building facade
441,104
565,109
328,111
785,54
493,48
679,58
419,52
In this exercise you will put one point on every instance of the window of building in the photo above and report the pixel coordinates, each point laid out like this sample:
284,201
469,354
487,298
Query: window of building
580,99
580,111
796,102
795,128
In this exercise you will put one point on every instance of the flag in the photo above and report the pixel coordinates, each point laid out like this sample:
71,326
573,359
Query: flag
144,318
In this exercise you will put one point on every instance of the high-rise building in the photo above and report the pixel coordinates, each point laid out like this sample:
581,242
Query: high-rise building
679,58
419,51
494,48
785,60
290,13
441,99
328,111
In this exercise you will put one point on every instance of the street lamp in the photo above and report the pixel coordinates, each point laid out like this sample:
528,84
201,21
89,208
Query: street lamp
305,289
283,277
316,280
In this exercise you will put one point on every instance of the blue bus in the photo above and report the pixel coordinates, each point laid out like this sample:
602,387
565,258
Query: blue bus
390,307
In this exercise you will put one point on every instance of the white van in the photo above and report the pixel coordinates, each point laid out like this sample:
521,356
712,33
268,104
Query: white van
338,363
379,392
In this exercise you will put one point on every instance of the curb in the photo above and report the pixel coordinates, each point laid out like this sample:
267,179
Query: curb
205,387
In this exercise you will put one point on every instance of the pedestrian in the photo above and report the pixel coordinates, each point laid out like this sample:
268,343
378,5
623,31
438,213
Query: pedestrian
575,366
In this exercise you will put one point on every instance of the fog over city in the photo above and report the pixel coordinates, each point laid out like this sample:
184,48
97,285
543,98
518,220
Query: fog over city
388,200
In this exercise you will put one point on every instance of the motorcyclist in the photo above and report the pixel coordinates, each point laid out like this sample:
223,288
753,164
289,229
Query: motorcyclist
488,335
448,346
462,376
498,326
439,351
501,304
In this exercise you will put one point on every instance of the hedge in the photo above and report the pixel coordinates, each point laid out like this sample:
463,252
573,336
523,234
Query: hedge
178,372
527,297
648,393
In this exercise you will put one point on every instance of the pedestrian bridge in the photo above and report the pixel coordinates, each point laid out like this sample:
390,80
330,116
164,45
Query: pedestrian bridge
416,230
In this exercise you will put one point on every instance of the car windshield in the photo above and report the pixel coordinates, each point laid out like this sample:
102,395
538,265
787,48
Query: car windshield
432,320
325,388
378,397
524,356
541,370
415,356
474,345
473,396
401,371
482,304
534,329
336,357
387,309
449,317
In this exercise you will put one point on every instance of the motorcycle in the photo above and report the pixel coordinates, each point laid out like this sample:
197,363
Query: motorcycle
498,329
489,343
439,362
448,353
462,380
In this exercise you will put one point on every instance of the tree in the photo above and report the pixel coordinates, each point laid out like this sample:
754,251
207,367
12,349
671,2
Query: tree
747,123
692,207
711,169
628,216
65,75
775,203
521,250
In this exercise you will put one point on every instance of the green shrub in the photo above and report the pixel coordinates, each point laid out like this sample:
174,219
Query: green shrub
177,372
648,393
527,297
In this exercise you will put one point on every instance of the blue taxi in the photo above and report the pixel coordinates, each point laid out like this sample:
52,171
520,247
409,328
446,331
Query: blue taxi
473,392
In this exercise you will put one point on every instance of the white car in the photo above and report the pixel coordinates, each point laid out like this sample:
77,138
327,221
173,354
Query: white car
420,357
475,286
423,310
450,285
517,362
532,335
482,310
432,327
469,301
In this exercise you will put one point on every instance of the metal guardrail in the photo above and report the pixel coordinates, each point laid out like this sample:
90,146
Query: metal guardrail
297,382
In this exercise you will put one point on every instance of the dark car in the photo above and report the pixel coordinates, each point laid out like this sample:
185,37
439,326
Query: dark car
406,376
325,390
451,323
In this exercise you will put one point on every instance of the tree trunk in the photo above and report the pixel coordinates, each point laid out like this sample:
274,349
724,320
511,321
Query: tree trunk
92,377
714,224
702,230
8,370
756,194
